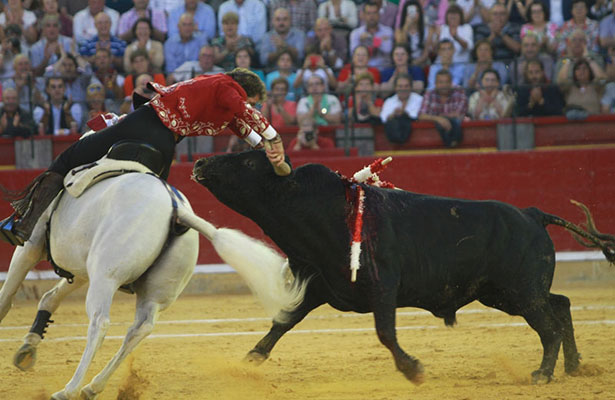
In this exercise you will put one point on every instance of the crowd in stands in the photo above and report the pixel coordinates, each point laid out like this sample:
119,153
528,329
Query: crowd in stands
63,62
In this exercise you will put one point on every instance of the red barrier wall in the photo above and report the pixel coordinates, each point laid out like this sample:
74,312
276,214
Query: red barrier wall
544,178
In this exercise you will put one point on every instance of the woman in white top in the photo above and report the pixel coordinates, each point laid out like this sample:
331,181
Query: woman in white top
342,14
413,34
142,30
457,32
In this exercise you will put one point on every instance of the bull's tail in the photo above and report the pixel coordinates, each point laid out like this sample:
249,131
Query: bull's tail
589,237
262,268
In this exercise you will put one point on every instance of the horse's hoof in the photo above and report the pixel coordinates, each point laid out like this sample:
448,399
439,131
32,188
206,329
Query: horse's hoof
25,358
540,377
61,395
256,358
87,393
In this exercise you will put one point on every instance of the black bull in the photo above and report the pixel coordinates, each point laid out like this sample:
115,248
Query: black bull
423,251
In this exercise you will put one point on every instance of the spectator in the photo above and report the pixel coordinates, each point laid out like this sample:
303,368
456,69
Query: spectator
76,79
577,50
141,11
610,63
302,12
141,89
607,29
84,27
387,11
142,31
203,15
530,50
579,20
58,115
445,55
50,47
14,121
358,65
517,11
252,17
608,100
204,66
537,97
183,47
503,36
51,7
28,87
367,107
445,106
140,65
489,102
341,14
559,10
107,75
330,44
104,39
400,109
165,5
413,34
475,12
483,60
376,37
284,70
600,9
280,111
95,100
433,10
14,13
11,47
243,59
324,108
585,91
282,36
540,26
229,42
308,138
458,32
401,66
314,64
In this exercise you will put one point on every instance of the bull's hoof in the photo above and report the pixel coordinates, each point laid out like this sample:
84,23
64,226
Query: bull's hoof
571,365
541,377
413,370
25,358
87,393
255,357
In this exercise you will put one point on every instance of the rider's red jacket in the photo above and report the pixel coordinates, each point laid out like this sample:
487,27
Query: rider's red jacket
206,105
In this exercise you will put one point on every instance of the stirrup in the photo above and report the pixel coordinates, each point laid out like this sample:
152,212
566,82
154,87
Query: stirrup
7,231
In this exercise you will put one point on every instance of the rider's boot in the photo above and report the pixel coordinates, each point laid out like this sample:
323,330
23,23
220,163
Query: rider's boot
17,228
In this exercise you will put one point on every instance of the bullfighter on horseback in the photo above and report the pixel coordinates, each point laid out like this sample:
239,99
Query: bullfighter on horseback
205,105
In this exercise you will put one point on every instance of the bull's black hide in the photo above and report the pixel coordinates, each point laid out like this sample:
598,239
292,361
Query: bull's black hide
423,251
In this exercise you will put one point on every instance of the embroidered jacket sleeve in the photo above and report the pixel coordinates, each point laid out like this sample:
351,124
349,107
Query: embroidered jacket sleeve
247,118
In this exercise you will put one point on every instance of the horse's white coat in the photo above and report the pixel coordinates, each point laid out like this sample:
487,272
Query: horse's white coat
115,234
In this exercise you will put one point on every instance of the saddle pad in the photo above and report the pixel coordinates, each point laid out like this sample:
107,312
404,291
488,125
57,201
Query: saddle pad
80,178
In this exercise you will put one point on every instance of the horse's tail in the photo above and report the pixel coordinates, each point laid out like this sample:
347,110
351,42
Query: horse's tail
261,267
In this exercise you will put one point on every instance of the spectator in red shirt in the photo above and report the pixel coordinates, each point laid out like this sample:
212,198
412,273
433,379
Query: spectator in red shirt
308,139
368,105
358,65
279,111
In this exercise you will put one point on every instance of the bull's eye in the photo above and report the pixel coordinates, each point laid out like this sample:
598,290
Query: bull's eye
249,163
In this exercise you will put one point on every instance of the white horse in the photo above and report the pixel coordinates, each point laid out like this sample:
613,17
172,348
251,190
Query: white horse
117,233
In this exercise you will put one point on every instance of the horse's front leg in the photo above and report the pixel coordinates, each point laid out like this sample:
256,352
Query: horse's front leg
25,357
24,259
98,303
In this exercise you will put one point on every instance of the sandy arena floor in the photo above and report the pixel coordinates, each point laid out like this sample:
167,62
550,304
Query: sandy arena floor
196,350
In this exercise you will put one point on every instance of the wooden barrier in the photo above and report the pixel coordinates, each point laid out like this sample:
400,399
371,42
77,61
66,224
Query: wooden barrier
547,179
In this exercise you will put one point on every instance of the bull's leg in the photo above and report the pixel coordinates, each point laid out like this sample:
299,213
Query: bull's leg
561,307
98,303
25,357
383,306
543,320
145,319
263,348
24,259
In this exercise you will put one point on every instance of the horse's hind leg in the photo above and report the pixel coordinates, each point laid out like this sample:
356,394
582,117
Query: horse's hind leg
98,303
145,318
25,357
561,308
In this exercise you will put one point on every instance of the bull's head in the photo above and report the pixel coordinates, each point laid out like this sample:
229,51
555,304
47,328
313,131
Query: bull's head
239,180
